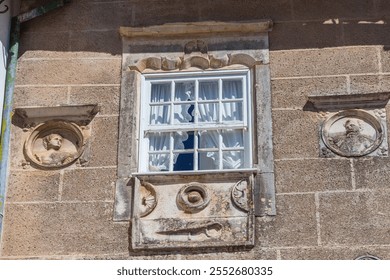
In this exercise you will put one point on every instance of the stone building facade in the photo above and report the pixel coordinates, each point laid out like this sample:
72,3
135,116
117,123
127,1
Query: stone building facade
324,66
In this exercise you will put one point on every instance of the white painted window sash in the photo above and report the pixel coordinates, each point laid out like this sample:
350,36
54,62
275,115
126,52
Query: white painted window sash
195,127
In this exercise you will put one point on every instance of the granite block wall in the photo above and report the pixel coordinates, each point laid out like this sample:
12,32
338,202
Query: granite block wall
326,208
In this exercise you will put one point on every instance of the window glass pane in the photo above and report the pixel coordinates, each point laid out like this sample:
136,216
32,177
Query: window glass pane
184,140
184,91
158,162
208,112
183,113
160,92
184,161
160,114
232,89
232,111
208,139
208,90
232,159
232,138
159,141
208,160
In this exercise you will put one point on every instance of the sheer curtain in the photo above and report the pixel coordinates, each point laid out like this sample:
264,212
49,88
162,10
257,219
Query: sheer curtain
231,111
159,115
159,142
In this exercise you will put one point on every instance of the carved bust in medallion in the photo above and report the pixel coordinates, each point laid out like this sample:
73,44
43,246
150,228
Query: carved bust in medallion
352,133
55,144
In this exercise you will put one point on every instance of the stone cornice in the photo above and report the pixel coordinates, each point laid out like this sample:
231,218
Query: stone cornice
196,28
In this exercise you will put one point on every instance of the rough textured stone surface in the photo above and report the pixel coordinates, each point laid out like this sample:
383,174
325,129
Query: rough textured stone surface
89,184
33,186
338,253
292,93
385,56
62,229
54,72
324,10
106,97
40,96
317,45
372,173
96,42
295,134
104,141
33,44
355,218
316,35
335,61
312,175
294,224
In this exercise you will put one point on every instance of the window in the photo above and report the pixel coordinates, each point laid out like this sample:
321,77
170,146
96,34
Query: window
195,108
195,121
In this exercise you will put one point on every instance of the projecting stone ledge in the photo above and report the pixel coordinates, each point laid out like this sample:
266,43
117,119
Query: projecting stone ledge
196,28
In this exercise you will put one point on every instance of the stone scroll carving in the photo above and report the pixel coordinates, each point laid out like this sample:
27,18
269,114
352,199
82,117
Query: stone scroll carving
55,144
353,133
201,61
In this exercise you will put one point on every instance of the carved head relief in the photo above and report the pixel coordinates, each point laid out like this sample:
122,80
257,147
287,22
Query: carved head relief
352,133
193,197
54,144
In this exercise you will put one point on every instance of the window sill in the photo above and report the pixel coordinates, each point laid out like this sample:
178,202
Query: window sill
204,174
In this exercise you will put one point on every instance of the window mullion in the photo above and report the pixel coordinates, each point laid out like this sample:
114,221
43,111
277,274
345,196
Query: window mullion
196,109
220,162
196,150
172,106
171,151
220,100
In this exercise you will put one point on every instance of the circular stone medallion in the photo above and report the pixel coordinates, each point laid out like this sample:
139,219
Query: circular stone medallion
193,197
54,145
352,133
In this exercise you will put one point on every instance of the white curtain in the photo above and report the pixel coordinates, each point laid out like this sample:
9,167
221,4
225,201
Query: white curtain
231,111
183,92
160,141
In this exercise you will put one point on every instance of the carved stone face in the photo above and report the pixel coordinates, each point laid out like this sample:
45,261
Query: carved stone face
351,126
53,141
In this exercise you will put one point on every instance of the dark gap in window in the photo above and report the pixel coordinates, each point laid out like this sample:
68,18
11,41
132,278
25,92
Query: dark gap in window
185,161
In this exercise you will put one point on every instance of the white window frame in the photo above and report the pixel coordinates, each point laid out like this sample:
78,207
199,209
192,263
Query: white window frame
246,125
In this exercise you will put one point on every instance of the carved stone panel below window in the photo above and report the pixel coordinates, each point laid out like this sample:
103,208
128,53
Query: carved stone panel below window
193,215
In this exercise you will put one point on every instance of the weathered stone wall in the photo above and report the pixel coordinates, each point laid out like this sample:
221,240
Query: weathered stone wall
326,208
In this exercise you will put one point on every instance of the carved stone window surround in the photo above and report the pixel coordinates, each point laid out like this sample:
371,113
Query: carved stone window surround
207,46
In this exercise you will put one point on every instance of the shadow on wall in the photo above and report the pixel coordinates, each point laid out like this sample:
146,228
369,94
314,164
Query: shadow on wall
92,26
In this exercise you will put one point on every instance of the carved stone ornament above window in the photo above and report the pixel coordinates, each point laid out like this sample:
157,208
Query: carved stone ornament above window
195,103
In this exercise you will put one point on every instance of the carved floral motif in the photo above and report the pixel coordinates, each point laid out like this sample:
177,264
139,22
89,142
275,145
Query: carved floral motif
148,199
240,195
